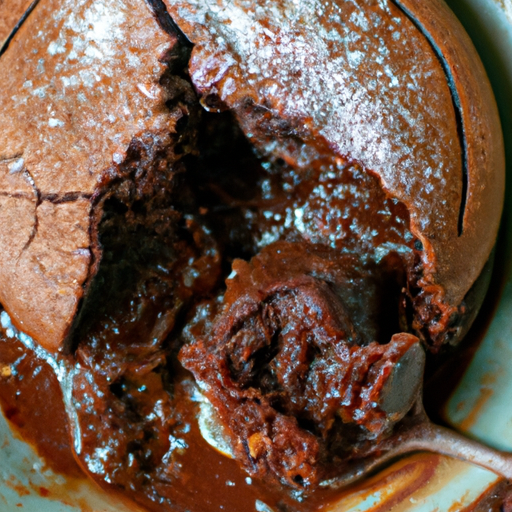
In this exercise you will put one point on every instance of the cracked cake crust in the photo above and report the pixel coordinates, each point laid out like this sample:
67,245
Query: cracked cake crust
395,85
87,86
123,205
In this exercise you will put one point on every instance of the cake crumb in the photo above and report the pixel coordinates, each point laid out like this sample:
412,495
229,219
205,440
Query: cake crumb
5,371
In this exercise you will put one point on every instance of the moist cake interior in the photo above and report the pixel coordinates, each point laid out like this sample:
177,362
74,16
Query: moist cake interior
168,242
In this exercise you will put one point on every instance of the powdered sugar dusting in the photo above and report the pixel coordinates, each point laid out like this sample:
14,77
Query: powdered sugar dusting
89,63
356,73
71,107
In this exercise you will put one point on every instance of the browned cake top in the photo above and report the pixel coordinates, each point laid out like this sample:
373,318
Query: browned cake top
356,79
362,79
10,12
79,82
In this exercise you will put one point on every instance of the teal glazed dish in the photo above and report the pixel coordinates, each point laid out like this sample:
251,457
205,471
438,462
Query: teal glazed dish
209,255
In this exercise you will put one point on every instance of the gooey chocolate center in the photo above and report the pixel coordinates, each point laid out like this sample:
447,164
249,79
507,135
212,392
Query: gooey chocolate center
290,364
297,357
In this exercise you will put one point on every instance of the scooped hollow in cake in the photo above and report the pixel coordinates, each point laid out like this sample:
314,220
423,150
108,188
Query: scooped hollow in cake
389,85
90,126
127,198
